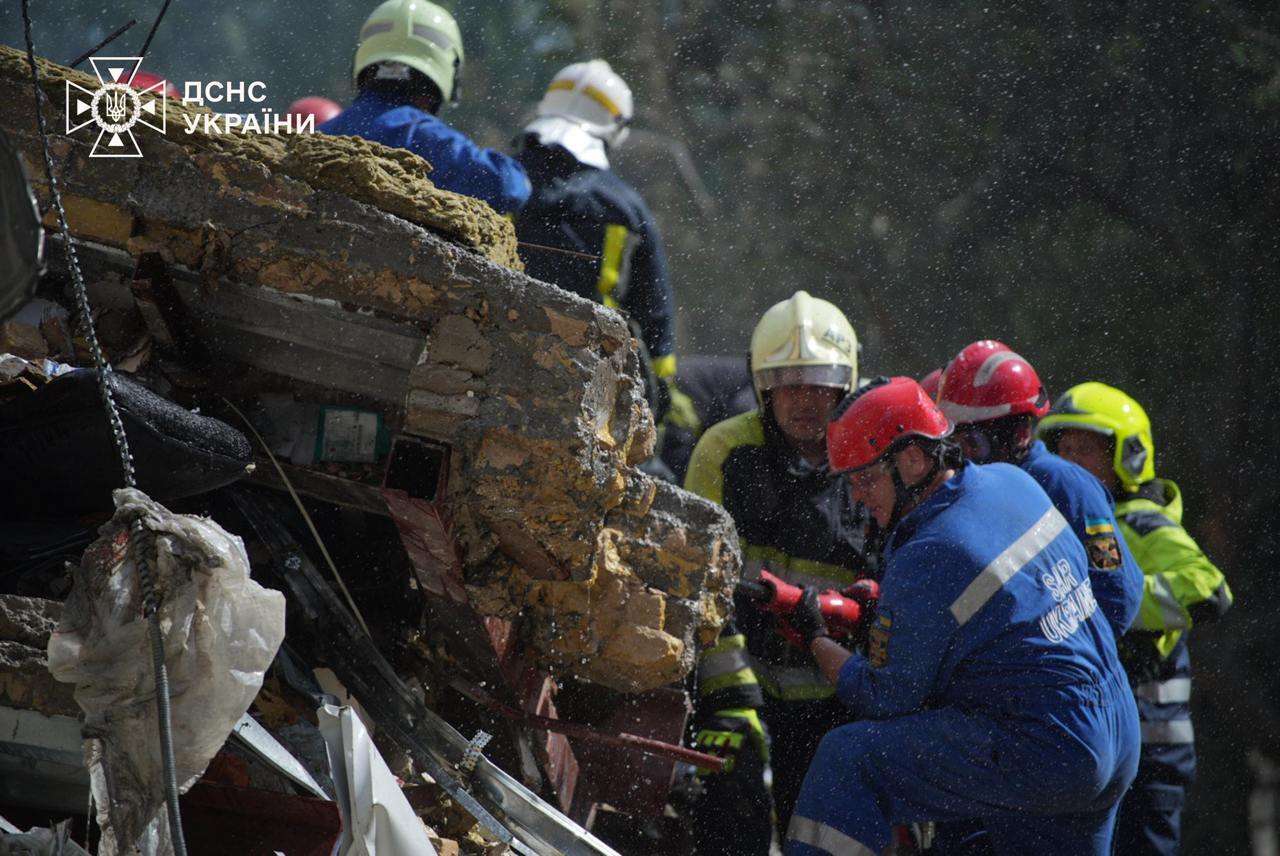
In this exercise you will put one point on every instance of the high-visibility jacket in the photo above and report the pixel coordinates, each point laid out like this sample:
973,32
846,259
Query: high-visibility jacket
615,253
1181,586
457,163
792,519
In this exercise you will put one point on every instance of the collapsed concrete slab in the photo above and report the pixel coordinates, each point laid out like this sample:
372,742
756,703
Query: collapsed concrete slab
331,269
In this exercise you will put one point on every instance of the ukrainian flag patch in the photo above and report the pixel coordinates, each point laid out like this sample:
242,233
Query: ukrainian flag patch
1098,526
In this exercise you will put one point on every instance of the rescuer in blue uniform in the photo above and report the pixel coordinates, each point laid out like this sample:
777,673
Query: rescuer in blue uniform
991,687
1108,433
584,228
994,397
407,64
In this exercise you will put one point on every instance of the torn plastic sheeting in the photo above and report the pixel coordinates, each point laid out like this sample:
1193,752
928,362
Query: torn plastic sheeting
377,820
39,842
221,631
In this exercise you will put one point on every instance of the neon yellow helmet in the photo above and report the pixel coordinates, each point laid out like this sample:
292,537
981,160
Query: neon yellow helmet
416,34
1106,410
803,340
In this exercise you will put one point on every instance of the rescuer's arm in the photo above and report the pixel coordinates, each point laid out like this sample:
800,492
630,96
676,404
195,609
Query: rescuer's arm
906,643
831,657
1113,573
706,466
1181,586
460,165
650,300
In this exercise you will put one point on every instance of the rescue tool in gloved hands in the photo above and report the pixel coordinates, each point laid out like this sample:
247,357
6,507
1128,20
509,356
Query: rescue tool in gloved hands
846,612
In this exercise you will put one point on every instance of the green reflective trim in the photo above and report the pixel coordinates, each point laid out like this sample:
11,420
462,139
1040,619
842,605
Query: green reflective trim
741,678
736,642
664,367
810,693
778,562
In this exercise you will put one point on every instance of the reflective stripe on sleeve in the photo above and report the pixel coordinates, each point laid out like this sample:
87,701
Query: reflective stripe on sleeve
792,683
1172,616
613,264
826,838
1003,567
1173,731
665,366
1164,692
714,665
798,572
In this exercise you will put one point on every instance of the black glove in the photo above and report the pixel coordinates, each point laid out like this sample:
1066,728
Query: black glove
807,618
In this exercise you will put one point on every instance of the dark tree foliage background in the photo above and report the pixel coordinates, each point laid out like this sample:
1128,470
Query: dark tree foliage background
1097,184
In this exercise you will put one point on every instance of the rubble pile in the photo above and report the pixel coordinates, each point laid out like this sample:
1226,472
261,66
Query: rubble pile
331,271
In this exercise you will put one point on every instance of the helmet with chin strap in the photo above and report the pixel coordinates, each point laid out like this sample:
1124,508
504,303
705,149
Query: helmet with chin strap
993,396
1108,411
881,418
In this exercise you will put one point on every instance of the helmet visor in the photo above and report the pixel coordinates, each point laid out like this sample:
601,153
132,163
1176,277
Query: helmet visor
836,376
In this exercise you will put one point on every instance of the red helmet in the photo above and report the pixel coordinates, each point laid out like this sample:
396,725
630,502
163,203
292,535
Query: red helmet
147,79
987,380
930,383
322,108
880,418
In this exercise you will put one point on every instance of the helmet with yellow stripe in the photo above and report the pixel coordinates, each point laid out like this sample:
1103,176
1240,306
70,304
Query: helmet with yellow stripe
1106,410
587,109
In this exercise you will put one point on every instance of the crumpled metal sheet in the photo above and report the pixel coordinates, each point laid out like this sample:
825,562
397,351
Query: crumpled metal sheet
221,631
377,820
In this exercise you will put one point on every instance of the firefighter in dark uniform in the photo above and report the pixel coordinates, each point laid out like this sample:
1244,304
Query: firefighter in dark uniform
1105,431
768,468
589,231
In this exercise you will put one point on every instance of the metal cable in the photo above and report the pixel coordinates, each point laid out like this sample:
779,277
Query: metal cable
149,598
154,26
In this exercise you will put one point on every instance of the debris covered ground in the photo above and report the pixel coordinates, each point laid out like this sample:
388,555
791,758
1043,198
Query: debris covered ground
451,504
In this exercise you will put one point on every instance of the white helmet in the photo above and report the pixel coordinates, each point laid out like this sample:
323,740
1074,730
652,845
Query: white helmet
803,340
586,109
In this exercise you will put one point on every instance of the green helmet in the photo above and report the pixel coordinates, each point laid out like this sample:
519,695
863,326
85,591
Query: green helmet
1106,410
417,34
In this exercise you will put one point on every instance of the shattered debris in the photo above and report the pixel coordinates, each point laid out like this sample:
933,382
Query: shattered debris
534,394
468,439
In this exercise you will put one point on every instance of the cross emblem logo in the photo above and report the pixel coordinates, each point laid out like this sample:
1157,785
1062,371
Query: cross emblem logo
116,107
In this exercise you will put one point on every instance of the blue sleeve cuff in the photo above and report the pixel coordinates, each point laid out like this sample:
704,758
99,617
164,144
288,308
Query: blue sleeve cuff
851,680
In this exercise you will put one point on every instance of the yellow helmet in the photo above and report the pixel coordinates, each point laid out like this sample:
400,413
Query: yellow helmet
803,341
1106,410
416,34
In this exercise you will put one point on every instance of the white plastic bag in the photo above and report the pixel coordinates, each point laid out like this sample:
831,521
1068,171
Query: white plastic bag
221,631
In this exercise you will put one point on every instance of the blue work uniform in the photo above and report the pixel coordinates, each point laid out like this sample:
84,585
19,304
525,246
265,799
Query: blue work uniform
457,164
1114,575
991,687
